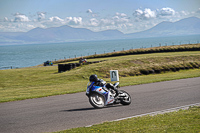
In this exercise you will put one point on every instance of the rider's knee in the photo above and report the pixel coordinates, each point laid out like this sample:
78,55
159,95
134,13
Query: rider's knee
109,85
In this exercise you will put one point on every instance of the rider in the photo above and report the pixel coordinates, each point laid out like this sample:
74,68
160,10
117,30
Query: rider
101,82
82,60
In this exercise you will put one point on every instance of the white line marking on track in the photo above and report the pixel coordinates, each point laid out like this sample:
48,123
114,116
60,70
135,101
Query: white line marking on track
157,112
161,112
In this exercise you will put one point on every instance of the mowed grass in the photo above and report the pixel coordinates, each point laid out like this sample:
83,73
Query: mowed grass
182,121
35,82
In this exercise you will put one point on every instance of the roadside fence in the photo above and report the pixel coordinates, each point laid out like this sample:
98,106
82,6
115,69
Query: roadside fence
10,67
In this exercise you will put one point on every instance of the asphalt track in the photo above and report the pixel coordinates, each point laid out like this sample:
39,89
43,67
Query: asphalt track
62,112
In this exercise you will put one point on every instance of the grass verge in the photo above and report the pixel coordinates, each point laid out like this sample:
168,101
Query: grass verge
182,121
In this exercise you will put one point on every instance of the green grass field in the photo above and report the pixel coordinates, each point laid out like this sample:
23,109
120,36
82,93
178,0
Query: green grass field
182,121
35,82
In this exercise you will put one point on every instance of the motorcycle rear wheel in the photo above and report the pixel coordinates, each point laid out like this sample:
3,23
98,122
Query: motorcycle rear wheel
127,99
96,100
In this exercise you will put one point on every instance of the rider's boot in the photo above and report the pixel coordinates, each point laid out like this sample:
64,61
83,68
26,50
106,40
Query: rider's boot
109,85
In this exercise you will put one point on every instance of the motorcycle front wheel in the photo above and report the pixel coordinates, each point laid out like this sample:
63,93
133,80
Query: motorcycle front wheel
126,100
96,100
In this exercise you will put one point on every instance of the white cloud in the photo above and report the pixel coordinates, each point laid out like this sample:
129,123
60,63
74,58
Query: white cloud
138,13
119,21
121,14
120,18
94,22
146,14
106,22
17,27
6,19
22,23
198,11
89,11
74,20
56,19
166,12
20,18
116,21
184,13
41,15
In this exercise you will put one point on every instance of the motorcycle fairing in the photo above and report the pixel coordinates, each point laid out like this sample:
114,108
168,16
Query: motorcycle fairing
110,98
107,94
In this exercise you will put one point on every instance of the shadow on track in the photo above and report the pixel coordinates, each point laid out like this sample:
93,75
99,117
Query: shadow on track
81,109
86,109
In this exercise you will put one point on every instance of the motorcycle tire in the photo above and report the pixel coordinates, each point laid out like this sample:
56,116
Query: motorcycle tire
125,100
97,100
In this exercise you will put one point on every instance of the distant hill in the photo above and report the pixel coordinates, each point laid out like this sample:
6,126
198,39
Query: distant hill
58,34
187,26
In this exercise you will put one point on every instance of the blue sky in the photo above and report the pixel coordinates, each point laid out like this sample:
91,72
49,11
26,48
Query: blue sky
128,16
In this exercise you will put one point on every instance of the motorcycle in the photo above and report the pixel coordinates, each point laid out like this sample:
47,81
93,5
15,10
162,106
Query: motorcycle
100,96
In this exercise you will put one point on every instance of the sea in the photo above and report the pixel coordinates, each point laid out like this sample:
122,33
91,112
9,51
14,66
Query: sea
28,55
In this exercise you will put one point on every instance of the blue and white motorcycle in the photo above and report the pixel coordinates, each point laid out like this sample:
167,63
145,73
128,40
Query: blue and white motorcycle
101,96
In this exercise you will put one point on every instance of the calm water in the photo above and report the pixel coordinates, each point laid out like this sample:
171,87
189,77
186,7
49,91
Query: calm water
35,54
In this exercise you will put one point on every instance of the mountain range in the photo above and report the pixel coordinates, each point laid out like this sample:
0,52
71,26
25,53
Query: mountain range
187,26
